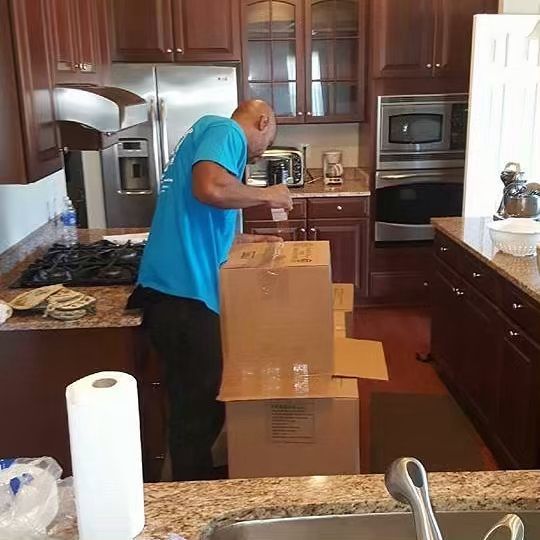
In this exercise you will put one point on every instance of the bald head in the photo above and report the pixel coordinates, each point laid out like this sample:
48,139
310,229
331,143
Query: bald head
257,120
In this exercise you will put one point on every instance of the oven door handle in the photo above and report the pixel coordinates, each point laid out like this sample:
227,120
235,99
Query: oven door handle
436,177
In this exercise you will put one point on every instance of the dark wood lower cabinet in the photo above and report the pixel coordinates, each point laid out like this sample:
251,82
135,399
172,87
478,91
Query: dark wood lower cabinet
35,368
290,231
348,248
489,360
519,397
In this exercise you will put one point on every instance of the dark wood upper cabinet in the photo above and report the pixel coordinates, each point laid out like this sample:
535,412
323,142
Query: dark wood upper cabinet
77,30
35,88
306,58
142,31
63,22
175,31
402,38
12,166
273,56
203,33
424,38
453,41
335,67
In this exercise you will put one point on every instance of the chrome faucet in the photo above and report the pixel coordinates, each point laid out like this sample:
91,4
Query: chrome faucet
406,481
520,199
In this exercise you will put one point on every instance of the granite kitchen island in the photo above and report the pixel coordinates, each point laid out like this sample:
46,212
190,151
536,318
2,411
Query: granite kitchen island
193,510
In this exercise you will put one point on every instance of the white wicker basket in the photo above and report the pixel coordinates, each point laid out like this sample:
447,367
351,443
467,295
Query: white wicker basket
516,236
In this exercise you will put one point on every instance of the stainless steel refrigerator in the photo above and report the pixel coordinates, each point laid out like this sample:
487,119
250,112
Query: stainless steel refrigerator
177,96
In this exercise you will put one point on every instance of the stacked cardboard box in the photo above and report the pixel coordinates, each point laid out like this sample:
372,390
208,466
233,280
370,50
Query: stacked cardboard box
290,385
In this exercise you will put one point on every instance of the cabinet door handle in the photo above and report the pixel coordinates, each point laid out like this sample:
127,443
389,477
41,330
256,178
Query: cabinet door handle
517,306
476,275
339,208
437,65
513,333
458,292
180,51
303,233
168,50
308,113
313,232
429,66
426,283
443,249
299,113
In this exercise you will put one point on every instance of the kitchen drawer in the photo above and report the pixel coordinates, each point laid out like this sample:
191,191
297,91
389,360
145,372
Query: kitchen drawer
449,252
263,213
409,287
521,310
481,277
338,207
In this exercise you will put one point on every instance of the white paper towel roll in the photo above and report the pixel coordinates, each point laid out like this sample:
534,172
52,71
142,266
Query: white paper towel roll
104,433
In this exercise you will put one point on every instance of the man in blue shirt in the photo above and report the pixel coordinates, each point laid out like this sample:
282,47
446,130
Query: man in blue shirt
193,229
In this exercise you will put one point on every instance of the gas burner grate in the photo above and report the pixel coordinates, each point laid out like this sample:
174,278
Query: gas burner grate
100,263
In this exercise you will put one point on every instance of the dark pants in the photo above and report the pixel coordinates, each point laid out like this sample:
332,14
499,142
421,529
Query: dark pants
186,335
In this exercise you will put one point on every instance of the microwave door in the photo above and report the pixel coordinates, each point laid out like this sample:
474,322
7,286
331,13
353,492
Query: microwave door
415,128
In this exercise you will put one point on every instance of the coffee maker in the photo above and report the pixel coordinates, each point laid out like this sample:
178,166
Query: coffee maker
332,168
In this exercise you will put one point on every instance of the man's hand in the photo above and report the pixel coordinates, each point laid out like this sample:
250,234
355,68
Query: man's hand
256,238
279,196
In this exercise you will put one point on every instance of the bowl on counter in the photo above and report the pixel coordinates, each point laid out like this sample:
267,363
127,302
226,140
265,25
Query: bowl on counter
516,236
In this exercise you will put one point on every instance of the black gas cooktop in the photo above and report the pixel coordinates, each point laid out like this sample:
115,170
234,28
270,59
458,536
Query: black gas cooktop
101,263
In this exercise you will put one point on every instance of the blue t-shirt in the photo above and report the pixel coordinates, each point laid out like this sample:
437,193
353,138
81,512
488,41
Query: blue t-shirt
189,240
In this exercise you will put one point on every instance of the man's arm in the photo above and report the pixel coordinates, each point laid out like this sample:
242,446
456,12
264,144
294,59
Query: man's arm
214,186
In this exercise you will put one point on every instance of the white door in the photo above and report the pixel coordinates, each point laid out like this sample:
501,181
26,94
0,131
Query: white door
504,112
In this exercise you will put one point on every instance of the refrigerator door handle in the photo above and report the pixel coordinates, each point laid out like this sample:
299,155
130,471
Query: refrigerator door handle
163,134
156,136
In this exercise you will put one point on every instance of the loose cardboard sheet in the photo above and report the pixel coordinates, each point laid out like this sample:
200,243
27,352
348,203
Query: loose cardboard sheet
360,359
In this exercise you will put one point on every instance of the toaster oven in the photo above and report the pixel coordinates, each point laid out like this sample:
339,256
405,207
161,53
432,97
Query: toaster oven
260,173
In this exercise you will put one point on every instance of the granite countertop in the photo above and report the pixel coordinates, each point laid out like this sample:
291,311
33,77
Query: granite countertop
111,300
355,184
193,510
473,235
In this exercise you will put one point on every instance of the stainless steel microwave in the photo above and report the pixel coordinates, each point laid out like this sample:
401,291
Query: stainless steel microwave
422,131
260,174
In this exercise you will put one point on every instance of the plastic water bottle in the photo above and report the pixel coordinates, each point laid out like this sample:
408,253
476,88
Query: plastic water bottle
69,222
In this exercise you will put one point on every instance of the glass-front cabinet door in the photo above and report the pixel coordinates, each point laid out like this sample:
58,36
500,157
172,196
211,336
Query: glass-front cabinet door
335,45
273,66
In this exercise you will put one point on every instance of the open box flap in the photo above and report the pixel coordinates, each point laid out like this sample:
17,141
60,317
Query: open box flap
359,359
270,255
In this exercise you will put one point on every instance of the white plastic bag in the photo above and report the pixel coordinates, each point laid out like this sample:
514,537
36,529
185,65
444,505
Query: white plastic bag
28,497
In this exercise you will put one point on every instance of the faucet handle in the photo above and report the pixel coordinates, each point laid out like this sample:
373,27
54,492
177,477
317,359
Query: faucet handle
406,481
511,522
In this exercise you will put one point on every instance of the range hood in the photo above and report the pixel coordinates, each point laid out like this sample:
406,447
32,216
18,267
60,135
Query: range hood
103,108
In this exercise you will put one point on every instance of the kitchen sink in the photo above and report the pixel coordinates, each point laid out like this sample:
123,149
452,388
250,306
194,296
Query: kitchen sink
394,526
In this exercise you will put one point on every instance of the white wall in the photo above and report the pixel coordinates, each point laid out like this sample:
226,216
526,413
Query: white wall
349,138
24,208
524,7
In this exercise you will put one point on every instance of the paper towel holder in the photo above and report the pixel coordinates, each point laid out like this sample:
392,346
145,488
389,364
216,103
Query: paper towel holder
104,383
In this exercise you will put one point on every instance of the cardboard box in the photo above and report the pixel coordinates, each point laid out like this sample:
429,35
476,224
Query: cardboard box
343,294
276,308
303,424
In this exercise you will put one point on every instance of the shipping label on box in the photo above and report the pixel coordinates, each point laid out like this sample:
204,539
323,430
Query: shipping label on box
291,421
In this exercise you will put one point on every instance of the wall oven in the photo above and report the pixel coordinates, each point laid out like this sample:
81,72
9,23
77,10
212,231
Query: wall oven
406,200
422,132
